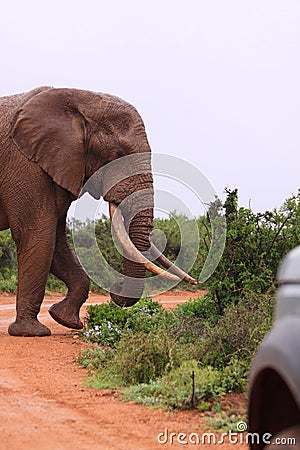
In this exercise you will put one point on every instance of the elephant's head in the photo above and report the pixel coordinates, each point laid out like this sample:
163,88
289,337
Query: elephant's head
71,134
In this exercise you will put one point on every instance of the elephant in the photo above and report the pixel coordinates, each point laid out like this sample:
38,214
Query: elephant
52,141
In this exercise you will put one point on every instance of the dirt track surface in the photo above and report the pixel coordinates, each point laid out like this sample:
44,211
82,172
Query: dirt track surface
44,404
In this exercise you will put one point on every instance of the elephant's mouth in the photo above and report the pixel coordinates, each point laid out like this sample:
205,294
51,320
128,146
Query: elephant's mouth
174,273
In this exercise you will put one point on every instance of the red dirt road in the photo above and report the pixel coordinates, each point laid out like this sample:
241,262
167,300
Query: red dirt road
44,404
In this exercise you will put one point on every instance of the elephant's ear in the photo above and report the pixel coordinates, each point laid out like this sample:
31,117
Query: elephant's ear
50,131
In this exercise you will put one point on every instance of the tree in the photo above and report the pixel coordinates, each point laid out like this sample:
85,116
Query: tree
256,243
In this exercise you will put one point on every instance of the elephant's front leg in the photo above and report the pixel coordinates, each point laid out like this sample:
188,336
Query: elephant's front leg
67,268
35,248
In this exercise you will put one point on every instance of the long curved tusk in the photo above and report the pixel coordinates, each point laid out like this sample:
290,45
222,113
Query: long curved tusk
129,247
167,264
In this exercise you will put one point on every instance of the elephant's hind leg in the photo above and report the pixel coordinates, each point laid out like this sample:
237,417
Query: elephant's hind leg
67,268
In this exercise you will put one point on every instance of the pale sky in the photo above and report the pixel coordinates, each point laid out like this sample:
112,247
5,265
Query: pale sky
217,82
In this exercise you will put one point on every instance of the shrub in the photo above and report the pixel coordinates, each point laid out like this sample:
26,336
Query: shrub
235,375
107,312
155,347
189,385
94,358
55,285
105,334
203,307
138,358
8,283
255,245
141,357
157,351
8,258
106,322
148,315
238,332
99,363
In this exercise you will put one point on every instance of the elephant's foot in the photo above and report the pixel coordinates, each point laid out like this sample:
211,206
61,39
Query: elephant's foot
28,327
66,314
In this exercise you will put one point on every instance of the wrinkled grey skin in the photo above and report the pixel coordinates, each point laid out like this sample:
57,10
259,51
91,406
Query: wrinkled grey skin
51,142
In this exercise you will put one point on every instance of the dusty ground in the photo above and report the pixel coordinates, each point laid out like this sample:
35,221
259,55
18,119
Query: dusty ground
44,404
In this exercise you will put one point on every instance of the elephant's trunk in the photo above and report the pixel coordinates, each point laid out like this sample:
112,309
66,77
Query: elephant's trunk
127,291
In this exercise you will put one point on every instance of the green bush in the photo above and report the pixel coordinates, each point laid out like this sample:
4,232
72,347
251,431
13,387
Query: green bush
157,351
144,345
107,312
8,263
235,375
8,283
94,358
106,322
203,307
138,357
147,315
238,332
189,386
255,245
55,285
8,257
147,306
105,334
142,357
100,365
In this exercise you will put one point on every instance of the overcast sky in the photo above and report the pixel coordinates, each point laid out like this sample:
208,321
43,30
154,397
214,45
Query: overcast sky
217,82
